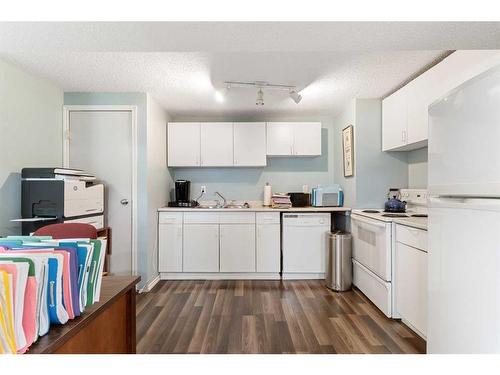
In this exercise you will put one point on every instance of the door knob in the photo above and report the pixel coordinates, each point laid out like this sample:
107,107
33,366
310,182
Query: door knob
124,202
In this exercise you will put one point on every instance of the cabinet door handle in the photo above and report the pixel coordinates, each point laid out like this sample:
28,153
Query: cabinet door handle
291,150
403,135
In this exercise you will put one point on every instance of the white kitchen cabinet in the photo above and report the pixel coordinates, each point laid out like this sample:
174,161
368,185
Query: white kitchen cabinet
410,263
268,250
411,286
249,144
170,242
279,139
419,97
200,248
293,138
216,144
307,139
405,112
394,120
237,248
183,144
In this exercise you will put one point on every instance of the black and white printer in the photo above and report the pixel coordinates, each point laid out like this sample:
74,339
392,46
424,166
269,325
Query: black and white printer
60,195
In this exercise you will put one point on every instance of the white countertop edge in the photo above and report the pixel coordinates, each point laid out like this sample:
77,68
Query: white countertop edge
410,223
255,209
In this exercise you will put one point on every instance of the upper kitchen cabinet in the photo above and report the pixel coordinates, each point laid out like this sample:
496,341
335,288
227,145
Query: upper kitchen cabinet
293,138
216,144
405,112
279,138
250,144
307,139
184,144
394,120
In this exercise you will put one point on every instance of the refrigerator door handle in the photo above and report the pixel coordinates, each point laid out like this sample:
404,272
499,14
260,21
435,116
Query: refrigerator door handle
488,204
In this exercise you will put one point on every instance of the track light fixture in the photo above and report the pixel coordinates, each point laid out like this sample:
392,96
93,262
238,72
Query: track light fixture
260,97
260,85
220,95
295,96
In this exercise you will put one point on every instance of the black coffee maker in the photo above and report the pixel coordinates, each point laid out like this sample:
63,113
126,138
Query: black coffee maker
183,195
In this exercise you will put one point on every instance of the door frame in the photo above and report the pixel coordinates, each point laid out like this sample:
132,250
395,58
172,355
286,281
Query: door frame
66,138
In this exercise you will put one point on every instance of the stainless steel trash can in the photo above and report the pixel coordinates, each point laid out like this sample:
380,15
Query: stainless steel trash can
339,264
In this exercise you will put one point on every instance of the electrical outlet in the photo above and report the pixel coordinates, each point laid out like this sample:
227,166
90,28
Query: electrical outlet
203,189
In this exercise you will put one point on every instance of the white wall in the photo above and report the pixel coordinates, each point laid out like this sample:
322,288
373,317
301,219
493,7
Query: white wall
30,135
159,178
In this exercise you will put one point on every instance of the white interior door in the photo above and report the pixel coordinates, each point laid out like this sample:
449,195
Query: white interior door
100,142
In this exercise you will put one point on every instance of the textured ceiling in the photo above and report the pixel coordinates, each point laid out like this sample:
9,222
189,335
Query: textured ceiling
182,64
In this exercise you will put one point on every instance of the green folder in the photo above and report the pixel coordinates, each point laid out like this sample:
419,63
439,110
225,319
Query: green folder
94,271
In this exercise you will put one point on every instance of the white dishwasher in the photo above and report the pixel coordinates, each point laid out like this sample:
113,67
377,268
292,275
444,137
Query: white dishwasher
305,245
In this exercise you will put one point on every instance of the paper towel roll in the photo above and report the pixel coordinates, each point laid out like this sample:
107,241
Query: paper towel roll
267,194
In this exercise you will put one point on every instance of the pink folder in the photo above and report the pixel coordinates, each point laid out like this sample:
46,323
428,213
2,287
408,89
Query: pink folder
67,297
29,312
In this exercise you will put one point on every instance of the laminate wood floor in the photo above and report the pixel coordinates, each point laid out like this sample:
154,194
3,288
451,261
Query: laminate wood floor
254,316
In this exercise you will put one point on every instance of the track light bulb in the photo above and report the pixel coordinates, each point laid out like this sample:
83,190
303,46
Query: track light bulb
296,97
219,97
260,98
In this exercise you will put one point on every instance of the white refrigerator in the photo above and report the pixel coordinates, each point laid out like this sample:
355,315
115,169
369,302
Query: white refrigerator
464,219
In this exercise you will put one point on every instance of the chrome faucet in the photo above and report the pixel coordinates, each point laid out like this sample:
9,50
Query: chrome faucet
224,200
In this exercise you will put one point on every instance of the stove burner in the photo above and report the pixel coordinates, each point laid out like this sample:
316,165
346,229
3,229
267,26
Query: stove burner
419,215
371,211
395,215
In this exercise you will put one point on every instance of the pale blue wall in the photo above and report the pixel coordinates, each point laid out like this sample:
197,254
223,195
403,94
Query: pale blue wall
286,174
345,118
375,171
417,168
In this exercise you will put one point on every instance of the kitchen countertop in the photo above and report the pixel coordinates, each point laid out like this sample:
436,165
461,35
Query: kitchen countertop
255,209
415,222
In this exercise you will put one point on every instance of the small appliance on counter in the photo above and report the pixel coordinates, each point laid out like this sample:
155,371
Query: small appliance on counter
183,195
300,199
394,203
328,196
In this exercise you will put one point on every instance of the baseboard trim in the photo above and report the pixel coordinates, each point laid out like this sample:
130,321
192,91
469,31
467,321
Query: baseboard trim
219,276
150,285
303,276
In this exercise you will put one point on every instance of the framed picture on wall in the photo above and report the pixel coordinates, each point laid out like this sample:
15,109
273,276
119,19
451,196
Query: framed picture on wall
348,147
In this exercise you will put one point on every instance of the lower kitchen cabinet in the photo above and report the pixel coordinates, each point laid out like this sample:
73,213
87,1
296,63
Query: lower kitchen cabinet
170,244
237,248
411,286
201,248
200,244
268,250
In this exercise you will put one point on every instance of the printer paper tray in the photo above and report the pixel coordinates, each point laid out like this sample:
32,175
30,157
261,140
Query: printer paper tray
31,219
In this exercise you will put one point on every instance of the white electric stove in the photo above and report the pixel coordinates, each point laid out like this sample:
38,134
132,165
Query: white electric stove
373,241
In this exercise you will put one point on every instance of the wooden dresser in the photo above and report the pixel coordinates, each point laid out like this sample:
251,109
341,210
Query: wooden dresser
107,327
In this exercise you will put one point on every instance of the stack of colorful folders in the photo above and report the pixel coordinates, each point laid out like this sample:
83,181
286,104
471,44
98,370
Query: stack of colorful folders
43,282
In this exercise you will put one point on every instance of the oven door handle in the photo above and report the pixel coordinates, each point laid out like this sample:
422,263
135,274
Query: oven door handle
368,221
